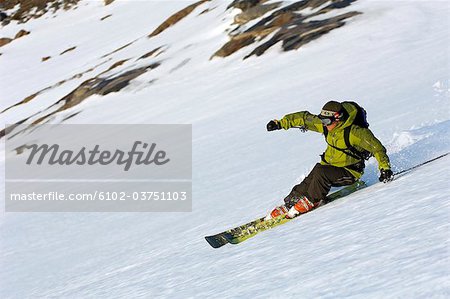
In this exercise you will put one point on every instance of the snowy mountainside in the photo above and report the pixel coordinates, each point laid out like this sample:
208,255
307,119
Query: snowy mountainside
113,64
387,241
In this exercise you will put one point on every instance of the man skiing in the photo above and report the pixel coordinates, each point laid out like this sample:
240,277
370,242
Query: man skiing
349,141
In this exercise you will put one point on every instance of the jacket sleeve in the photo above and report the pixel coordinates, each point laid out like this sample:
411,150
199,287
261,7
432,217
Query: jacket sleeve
302,119
365,139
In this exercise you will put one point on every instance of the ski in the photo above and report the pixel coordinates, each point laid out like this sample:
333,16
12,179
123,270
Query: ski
216,241
243,232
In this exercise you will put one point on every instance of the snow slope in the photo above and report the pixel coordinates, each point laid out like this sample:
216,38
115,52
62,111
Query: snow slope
387,241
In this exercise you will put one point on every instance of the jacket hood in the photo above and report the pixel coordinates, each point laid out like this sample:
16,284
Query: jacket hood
351,112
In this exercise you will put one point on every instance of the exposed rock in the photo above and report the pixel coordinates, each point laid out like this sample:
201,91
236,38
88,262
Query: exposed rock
108,2
10,128
29,98
151,53
118,63
35,8
117,50
21,33
294,38
59,83
244,4
26,100
3,16
67,50
235,44
204,11
255,12
5,41
45,58
71,115
105,17
114,65
175,18
96,85
289,24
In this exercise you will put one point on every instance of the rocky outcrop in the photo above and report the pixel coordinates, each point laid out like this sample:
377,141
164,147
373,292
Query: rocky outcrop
114,65
290,25
97,85
5,41
29,9
3,16
21,33
153,53
294,38
245,4
255,12
105,17
117,50
175,18
68,50
59,83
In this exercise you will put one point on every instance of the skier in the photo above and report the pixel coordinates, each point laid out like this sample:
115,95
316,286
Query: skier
349,141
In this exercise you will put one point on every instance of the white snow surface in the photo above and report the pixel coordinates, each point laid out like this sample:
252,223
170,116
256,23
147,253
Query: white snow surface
386,241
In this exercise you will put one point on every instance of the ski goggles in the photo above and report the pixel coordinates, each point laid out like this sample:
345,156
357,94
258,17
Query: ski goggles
326,121
328,117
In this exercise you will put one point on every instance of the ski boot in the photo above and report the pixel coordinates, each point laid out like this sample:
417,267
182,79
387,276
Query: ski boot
281,210
302,206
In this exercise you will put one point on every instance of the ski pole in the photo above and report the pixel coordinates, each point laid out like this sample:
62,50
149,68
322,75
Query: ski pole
303,129
418,165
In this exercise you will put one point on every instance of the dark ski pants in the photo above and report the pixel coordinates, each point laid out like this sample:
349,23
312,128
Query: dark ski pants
318,183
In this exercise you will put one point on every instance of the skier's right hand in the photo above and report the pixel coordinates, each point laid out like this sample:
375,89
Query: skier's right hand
386,175
273,125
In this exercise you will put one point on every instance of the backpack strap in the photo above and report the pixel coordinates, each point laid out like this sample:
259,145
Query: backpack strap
347,143
364,155
357,153
349,150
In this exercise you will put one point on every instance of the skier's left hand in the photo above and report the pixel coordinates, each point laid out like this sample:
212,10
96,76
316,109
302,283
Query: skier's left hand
386,175
273,125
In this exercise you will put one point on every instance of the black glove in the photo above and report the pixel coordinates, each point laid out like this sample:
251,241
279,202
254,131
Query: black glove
386,175
273,125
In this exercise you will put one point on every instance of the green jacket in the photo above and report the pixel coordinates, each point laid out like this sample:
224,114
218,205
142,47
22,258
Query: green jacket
360,138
